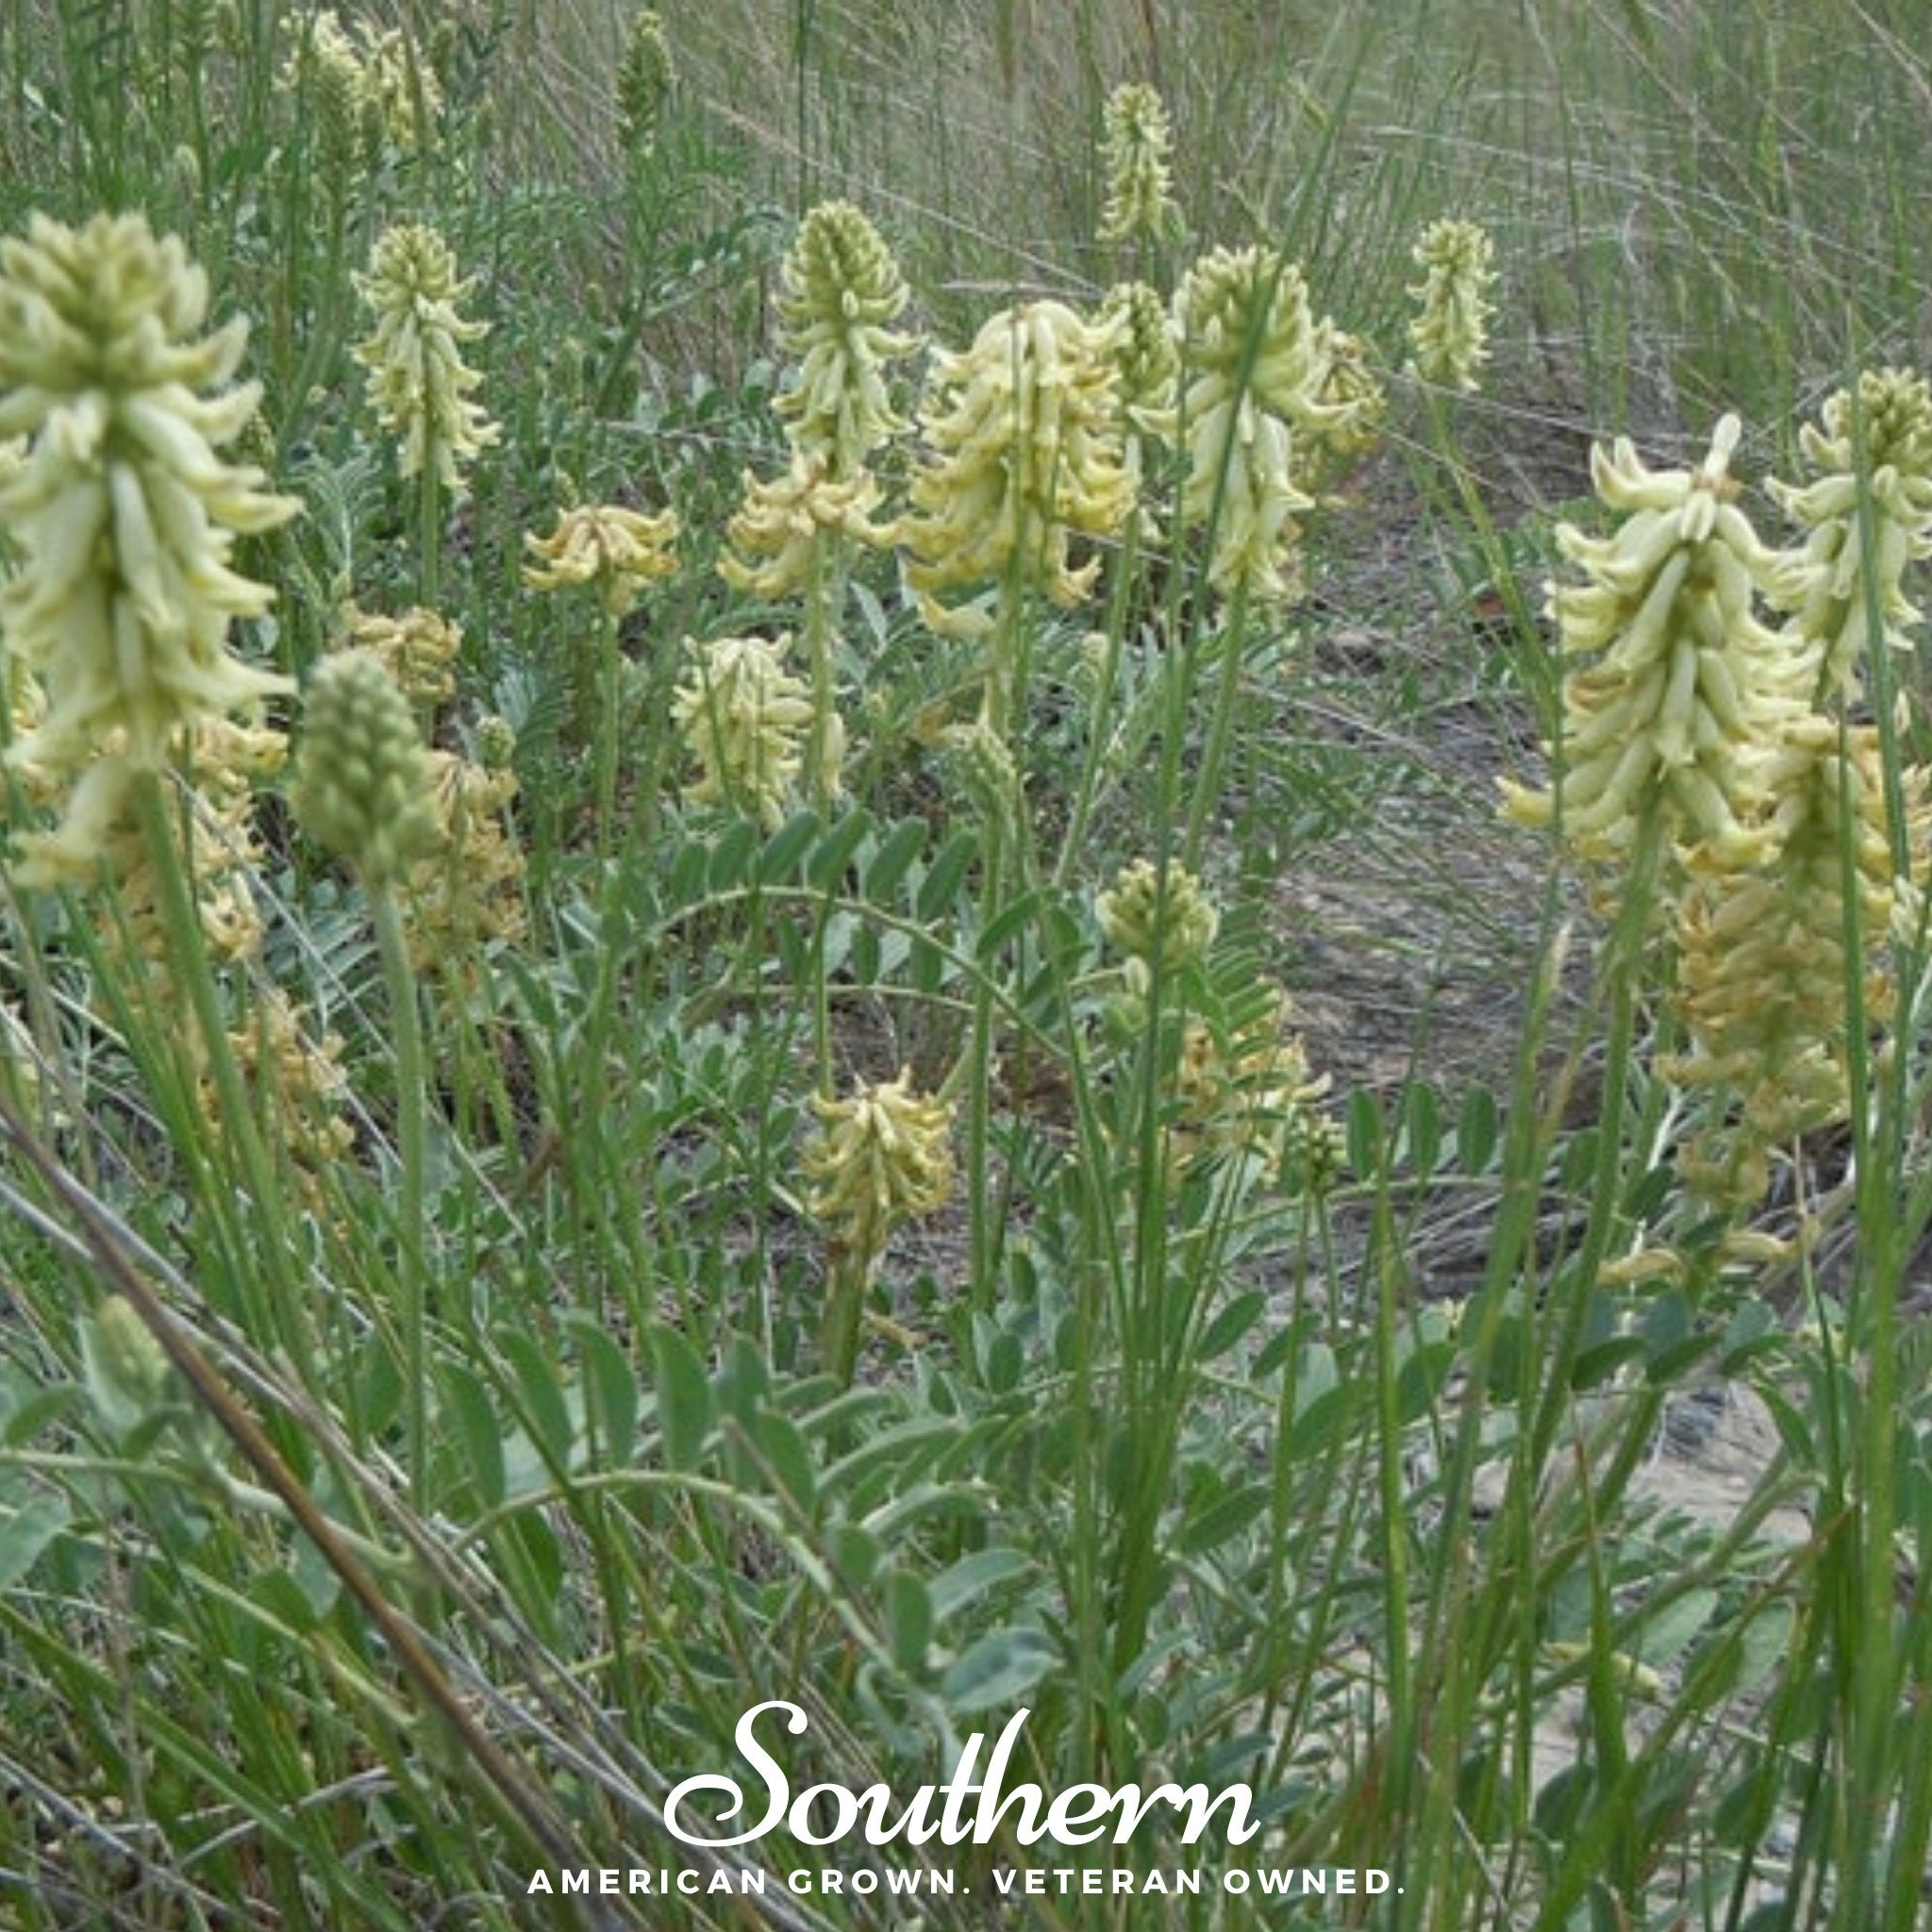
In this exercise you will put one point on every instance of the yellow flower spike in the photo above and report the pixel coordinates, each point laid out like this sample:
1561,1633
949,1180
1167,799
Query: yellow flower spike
401,97
419,649
774,537
1254,366
1450,332
327,75
618,550
1764,962
302,1087
1248,1089
743,717
418,381
1688,690
124,517
841,292
1886,433
879,1160
1025,453
1138,142
469,891
1140,922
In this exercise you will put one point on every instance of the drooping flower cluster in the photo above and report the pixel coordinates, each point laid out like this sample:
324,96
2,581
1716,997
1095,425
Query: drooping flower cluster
124,516
1883,435
879,1160
1244,1086
419,649
1685,687
743,717
467,890
1764,962
1025,455
1450,333
841,292
618,550
778,535
1139,144
420,385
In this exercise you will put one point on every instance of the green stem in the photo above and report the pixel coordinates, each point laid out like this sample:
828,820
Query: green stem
429,530
1220,731
412,1274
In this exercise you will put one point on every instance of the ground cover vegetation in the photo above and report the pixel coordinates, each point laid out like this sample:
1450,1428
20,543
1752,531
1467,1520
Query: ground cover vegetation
938,859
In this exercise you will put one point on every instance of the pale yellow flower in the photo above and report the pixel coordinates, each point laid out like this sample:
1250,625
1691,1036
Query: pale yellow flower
1172,920
618,550
1138,141
743,717
124,516
1687,690
880,1159
1254,368
645,76
841,291
776,535
1873,449
1026,455
1450,332
418,381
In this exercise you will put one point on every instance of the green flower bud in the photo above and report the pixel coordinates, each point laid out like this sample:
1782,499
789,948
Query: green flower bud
645,76
363,780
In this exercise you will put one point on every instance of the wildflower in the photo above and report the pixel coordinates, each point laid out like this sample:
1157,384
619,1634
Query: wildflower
1354,395
744,716
1026,454
1167,919
124,516
1883,435
618,550
468,890
775,537
363,781
1140,204
326,72
1240,1085
418,381
1254,365
1688,688
1763,957
841,292
298,1077
401,97
880,1159
1450,329
645,76
419,650
363,93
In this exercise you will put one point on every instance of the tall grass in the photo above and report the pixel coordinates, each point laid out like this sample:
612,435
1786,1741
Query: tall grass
491,1464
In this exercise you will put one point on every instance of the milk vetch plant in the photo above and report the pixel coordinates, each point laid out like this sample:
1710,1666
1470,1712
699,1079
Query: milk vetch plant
1450,333
1139,144
124,515
1687,690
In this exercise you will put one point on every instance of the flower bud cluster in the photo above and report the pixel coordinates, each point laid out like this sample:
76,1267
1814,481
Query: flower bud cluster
881,1159
363,780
